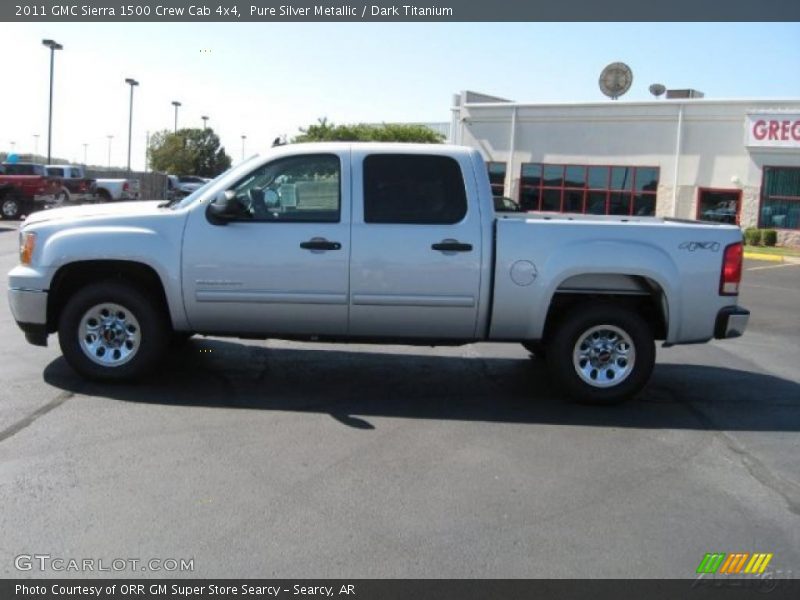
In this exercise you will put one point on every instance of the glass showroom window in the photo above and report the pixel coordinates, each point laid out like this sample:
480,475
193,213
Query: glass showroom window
598,190
780,198
497,177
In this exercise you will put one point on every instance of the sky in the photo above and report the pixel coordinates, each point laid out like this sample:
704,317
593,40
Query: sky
264,80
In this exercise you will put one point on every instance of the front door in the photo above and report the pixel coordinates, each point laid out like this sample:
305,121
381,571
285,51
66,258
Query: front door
282,268
717,205
416,247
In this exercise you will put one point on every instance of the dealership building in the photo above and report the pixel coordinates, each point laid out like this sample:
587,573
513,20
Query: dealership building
735,161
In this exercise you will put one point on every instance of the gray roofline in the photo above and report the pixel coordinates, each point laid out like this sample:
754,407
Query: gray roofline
607,103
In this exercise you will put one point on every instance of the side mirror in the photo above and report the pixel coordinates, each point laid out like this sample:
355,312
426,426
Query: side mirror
224,208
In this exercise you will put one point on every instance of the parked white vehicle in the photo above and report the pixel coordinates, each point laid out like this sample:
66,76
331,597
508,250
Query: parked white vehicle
117,189
376,243
183,185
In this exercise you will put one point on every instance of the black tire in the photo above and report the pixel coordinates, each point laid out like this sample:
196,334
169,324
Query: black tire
536,347
153,328
103,196
565,368
11,206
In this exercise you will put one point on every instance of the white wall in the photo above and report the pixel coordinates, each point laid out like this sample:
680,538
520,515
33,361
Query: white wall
712,149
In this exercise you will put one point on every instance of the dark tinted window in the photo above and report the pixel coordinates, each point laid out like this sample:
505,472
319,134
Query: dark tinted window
55,171
598,178
553,175
646,179
497,177
621,178
23,169
575,177
531,173
404,188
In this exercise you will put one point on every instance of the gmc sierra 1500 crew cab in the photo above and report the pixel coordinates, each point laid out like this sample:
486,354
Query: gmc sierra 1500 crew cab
374,243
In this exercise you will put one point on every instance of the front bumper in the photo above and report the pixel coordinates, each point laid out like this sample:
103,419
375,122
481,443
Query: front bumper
29,308
731,322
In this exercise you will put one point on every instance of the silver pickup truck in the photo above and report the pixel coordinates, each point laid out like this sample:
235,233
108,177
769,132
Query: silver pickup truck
389,243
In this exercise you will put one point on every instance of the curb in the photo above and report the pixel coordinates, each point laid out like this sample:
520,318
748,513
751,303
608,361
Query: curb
763,256
795,260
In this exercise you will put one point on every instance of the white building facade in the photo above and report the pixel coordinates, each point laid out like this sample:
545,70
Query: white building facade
735,161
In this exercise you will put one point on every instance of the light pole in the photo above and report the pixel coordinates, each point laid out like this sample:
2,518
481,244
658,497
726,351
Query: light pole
110,137
133,83
13,145
85,146
36,144
53,47
205,121
176,104
244,137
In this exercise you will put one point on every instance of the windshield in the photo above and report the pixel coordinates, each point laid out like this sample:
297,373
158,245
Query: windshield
184,202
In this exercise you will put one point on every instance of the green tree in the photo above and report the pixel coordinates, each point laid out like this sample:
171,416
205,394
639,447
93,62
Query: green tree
324,131
188,152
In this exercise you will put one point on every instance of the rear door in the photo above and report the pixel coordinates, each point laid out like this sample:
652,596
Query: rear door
283,269
416,246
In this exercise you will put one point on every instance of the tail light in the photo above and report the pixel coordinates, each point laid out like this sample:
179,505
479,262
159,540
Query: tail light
125,187
731,270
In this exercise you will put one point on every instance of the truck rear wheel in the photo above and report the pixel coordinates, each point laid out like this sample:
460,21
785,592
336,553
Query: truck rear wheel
111,331
601,354
10,206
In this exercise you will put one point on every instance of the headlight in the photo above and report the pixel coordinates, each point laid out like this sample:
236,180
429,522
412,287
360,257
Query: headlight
27,242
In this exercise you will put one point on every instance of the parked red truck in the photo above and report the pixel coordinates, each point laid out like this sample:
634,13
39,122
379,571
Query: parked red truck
23,184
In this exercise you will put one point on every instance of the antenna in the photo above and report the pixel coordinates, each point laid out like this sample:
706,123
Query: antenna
616,80
657,89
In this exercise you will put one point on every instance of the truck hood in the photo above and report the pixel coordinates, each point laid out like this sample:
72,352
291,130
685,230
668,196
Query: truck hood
88,211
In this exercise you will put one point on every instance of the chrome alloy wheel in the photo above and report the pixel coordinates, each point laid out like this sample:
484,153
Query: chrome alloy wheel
604,356
10,208
109,334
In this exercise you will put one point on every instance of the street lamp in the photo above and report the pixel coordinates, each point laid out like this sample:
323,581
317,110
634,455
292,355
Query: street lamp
133,83
244,137
36,145
205,120
53,47
176,104
110,137
85,146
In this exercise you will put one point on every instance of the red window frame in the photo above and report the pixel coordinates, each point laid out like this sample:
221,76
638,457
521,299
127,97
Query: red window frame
563,188
762,198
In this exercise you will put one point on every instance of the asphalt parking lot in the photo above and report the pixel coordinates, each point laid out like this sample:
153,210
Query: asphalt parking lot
277,459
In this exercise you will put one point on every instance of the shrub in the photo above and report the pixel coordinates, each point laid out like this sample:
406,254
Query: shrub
752,236
769,237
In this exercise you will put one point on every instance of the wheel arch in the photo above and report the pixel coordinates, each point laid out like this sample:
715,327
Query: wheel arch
645,295
71,277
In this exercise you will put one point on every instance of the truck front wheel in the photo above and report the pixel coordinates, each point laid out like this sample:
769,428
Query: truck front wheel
601,354
111,331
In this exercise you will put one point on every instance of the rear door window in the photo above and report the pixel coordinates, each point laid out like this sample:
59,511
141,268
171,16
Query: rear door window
407,188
